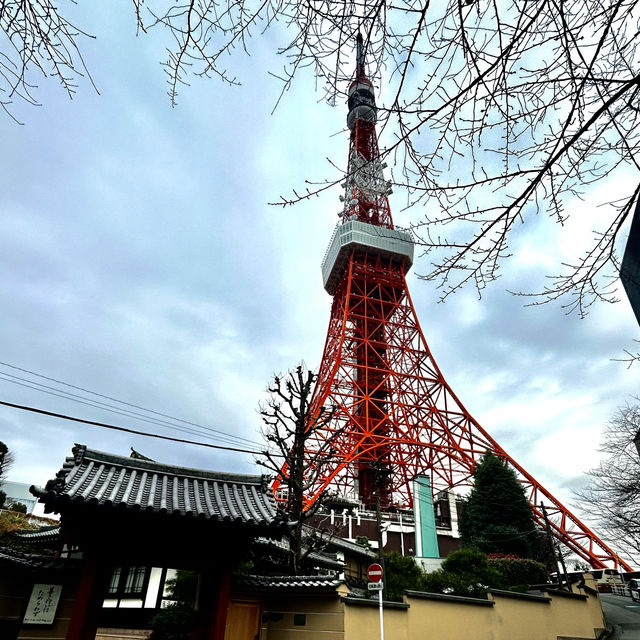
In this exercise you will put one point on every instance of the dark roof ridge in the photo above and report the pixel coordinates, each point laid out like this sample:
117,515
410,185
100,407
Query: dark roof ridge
343,543
81,451
323,582
290,578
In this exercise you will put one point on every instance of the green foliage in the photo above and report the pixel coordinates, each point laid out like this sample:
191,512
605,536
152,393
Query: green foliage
464,573
183,587
3,497
442,581
497,516
18,507
172,623
401,572
519,573
244,568
363,541
469,572
176,620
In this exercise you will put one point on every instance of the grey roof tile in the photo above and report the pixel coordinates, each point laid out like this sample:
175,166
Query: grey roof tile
43,534
33,561
289,582
94,477
345,545
317,558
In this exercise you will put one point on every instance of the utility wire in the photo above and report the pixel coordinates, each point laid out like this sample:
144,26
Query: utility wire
88,402
222,435
126,430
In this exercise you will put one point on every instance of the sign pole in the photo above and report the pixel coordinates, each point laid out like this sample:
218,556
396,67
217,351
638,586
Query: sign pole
374,573
381,618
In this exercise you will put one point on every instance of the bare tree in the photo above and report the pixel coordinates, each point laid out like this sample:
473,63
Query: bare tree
37,41
613,493
494,111
288,425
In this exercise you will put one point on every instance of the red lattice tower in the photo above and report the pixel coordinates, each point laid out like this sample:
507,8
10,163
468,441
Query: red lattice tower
395,415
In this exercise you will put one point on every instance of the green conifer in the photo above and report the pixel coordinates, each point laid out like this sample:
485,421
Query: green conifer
497,517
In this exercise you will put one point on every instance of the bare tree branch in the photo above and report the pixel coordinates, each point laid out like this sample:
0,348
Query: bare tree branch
287,427
493,112
613,493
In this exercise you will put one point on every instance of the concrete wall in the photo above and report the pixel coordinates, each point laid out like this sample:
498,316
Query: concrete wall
504,616
361,621
323,617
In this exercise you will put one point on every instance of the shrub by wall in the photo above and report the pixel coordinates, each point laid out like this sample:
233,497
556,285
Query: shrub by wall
518,573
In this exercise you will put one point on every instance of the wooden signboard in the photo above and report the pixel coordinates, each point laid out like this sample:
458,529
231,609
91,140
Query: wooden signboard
43,604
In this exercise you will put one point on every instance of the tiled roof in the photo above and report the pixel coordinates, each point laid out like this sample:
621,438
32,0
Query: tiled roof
44,534
93,477
317,558
352,547
289,582
31,560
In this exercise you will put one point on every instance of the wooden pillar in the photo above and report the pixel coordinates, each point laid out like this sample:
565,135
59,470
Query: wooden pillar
222,605
88,601
214,591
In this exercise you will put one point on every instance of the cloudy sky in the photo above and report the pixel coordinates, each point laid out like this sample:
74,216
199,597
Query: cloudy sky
139,259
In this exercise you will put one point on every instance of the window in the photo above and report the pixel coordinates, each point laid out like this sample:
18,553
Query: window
127,582
134,582
115,581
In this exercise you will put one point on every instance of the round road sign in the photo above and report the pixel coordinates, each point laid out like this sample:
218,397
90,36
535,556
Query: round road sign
374,572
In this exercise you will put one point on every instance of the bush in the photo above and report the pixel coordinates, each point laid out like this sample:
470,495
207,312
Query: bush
172,623
464,573
401,572
3,497
18,507
363,541
175,621
519,573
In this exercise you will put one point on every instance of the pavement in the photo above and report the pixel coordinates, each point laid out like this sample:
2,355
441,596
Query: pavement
623,615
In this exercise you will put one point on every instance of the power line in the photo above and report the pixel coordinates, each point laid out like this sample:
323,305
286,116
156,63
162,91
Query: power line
126,430
137,416
221,435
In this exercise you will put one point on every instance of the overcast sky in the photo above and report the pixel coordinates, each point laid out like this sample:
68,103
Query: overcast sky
139,258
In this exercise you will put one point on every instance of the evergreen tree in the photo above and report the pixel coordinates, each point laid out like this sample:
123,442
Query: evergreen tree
6,460
497,517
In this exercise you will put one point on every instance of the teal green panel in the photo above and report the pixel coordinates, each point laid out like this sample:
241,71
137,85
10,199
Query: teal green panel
426,527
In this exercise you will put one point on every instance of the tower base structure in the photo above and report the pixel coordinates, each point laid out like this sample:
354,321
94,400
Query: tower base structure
395,416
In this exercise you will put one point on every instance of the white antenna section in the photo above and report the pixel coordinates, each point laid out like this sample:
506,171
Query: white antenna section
365,177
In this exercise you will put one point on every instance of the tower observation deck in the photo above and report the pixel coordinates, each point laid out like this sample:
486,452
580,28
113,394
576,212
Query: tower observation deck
393,415
364,238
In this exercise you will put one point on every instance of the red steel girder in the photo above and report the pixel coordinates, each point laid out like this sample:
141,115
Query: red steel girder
395,409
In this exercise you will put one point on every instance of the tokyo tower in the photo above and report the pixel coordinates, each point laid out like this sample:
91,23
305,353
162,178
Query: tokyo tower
395,415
